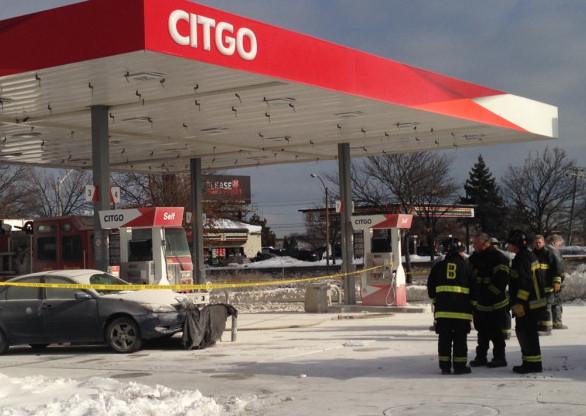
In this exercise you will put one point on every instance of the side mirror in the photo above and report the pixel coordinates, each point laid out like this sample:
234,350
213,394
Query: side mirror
82,296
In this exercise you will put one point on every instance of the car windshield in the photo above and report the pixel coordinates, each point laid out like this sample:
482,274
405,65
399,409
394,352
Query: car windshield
106,279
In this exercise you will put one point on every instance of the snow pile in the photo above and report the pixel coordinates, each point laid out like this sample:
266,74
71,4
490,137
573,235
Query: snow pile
417,293
105,396
574,286
282,261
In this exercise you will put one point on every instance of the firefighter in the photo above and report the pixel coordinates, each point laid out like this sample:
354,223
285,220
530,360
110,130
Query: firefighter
449,286
549,263
492,319
554,242
527,297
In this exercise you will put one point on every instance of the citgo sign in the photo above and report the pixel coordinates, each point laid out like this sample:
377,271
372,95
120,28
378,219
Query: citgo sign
222,33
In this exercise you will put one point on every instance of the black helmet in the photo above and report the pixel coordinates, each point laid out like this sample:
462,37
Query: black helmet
517,238
454,246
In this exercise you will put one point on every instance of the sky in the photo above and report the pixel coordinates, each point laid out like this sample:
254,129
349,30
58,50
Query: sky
532,48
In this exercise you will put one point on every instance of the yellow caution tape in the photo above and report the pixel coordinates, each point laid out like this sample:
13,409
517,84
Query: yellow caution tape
204,286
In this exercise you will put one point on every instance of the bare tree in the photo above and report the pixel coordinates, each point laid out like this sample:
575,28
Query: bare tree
57,192
134,189
540,192
420,182
139,190
366,190
14,198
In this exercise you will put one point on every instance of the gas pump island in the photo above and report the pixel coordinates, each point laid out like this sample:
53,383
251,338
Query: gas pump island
153,244
384,285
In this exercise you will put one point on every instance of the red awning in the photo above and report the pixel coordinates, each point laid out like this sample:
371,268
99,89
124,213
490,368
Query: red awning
184,80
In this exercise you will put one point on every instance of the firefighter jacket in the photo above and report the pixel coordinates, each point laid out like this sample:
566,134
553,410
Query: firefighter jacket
450,286
527,285
552,264
492,275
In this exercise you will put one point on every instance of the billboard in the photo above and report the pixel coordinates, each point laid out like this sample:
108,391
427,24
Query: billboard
226,188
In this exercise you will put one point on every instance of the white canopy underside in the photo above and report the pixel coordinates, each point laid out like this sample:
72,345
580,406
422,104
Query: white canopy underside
228,118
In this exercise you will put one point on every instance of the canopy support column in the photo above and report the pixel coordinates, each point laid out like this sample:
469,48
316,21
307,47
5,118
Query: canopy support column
101,179
344,173
197,221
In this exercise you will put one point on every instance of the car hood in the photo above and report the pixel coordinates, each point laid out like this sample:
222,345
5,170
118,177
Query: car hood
164,297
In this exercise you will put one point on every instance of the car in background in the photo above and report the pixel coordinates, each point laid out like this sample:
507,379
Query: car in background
122,319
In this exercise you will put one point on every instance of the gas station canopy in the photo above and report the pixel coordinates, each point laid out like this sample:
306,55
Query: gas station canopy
184,81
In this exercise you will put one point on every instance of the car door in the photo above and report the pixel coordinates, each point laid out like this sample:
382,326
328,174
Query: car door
67,318
20,312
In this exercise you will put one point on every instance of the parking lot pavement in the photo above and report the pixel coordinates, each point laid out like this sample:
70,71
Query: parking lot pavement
291,364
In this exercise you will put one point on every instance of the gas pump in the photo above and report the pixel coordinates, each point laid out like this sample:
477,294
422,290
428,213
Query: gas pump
153,244
384,285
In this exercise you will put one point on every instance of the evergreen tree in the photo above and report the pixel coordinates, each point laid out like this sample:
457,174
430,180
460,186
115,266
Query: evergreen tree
267,235
482,191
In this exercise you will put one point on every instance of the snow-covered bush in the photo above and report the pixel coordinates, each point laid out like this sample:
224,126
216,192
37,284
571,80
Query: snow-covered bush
574,286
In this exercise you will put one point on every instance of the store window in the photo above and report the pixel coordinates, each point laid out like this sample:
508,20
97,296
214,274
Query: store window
47,248
71,248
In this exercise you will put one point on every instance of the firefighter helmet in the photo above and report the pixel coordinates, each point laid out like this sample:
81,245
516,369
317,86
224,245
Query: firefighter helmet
454,246
517,238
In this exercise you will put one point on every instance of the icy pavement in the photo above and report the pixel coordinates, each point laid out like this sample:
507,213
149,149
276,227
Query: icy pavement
297,364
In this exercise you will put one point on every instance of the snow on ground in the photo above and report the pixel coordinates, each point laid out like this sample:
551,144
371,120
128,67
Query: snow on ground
104,397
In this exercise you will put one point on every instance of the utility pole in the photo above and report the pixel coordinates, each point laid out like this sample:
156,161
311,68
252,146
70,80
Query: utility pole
576,173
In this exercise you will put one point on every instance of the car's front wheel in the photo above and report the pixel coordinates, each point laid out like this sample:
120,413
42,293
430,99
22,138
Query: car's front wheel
3,343
123,335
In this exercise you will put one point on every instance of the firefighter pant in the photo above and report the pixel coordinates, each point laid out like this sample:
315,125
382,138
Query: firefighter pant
556,308
494,327
545,322
526,329
452,347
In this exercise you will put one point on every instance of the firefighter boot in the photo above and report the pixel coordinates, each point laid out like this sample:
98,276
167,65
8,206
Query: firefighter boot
462,370
446,367
526,368
498,359
496,362
478,362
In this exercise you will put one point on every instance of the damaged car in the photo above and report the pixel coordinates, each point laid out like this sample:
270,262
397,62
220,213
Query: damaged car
120,318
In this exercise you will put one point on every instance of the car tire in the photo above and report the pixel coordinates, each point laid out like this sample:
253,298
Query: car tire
38,347
123,335
3,343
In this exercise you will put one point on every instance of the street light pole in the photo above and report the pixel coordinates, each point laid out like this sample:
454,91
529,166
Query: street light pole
315,175
576,173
